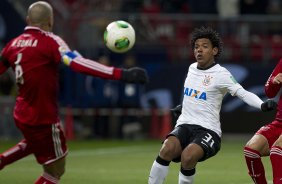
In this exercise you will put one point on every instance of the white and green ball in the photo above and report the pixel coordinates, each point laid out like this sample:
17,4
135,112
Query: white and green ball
119,36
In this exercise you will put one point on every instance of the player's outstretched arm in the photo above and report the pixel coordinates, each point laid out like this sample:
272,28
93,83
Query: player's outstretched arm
254,101
80,64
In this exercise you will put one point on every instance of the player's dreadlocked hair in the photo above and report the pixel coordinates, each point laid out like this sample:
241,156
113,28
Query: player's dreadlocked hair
209,33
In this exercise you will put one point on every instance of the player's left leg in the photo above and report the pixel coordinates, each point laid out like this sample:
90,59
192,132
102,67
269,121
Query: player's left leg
205,144
189,158
259,146
276,160
15,153
256,147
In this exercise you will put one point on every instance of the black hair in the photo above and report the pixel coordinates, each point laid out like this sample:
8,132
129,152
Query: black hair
209,33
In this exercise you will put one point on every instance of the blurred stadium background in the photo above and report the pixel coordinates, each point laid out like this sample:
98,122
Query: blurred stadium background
98,110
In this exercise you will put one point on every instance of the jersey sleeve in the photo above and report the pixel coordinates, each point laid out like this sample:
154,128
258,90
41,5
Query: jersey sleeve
271,89
228,82
58,47
78,63
235,89
249,98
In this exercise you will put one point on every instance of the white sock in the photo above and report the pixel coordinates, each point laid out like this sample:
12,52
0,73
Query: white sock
182,179
158,173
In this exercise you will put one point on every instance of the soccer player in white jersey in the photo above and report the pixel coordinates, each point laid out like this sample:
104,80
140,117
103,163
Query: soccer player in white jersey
197,134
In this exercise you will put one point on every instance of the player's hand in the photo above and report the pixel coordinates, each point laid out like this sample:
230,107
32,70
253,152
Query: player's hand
277,79
134,75
268,105
176,111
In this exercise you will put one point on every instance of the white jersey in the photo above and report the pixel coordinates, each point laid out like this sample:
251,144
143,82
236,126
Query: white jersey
203,94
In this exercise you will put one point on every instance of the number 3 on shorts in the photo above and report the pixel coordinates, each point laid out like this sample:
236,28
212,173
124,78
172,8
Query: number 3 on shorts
208,140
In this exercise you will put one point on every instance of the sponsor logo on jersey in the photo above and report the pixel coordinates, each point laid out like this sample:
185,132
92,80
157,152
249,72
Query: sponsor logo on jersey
207,80
201,95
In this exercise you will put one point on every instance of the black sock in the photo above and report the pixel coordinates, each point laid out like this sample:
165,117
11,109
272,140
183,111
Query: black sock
162,161
188,172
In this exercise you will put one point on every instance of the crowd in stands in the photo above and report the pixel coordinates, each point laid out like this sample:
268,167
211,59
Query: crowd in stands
221,7
243,41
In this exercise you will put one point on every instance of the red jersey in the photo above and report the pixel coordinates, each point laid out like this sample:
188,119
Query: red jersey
35,56
271,89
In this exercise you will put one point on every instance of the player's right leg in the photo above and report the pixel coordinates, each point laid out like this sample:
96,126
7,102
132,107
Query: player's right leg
276,160
256,147
171,149
50,151
15,153
48,145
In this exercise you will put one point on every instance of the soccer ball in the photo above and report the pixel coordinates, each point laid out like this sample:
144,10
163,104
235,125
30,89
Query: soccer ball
119,36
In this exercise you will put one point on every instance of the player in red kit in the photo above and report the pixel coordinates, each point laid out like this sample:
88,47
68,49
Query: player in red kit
35,56
268,139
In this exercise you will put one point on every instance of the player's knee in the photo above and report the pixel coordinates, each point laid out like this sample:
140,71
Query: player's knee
166,152
248,148
169,151
55,170
258,143
61,172
188,161
249,145
251,152
279,144
58,173
252,146
257,148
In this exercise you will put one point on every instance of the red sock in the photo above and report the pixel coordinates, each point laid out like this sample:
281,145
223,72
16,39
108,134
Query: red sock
255,166
13,154
276,161
46,179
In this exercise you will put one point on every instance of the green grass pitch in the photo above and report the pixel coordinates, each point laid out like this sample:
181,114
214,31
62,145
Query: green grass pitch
129,162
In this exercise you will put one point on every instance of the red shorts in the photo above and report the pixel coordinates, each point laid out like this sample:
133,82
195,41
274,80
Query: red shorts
47,142
271,131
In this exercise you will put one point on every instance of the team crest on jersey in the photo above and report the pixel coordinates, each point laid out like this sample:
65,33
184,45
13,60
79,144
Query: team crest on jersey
207,80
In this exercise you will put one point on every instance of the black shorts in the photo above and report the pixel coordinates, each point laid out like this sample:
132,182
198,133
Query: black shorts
207,139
